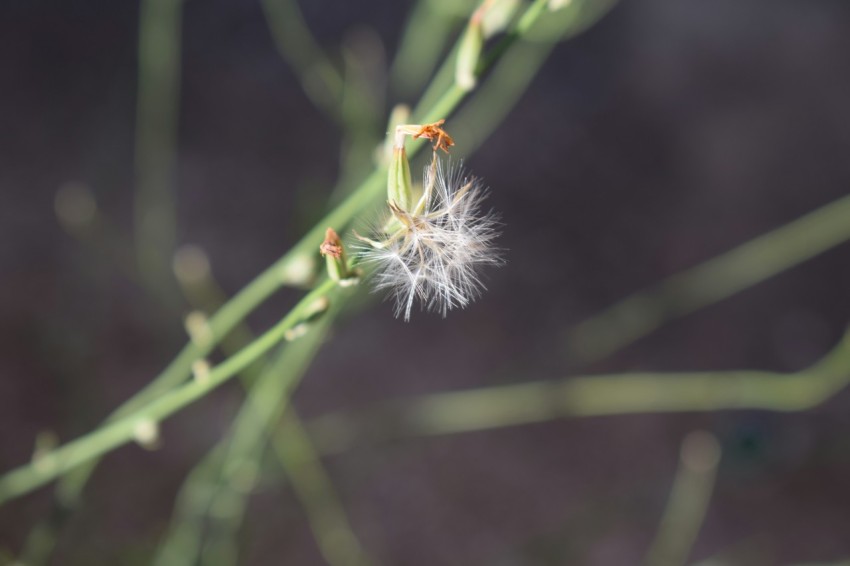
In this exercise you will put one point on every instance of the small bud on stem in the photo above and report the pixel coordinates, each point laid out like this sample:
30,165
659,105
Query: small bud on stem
334,254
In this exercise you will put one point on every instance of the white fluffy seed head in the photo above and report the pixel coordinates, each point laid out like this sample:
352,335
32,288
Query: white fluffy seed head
433,253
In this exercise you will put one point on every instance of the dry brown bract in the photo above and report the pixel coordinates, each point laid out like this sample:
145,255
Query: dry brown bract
434,132
332,245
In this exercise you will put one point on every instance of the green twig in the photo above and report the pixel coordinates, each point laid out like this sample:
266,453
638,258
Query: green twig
228,474
444,79
328,521
208,482
361,109
289,269
320,79
839,563
215,478
510,78
688,501
424,39
112,435
712,281
540,401
156,137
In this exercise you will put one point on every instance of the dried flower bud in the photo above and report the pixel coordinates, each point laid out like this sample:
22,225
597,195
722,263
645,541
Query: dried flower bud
334,253
435,132
332,246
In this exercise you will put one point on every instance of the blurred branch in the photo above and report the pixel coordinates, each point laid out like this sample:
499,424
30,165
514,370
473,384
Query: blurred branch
328,521
530,25
539,401
217,488
93,229
438,88
688,502
511,77
156,142
444,80
320,79
214,479
727,558
194,275
118,432
361,108
424,39
712,281
296,267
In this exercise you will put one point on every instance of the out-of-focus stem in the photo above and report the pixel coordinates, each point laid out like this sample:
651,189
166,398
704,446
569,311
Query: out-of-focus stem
214,479
688,501
539,401
512,75
123,430
156,141
424,39
712,281
328,521
321,81
217,488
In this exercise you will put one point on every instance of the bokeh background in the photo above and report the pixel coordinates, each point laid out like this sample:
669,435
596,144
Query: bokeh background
664,135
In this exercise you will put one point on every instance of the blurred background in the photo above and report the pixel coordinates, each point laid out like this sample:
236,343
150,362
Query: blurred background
667,133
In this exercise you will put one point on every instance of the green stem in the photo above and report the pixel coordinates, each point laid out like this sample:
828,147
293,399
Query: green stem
156,140
617,394
688,501
121,431
231,314
229,472
218,478
444,79
334,536
424,39
320,79
514,72
712,281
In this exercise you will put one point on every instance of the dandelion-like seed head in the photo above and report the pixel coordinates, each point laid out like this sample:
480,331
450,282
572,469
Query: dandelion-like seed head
433,252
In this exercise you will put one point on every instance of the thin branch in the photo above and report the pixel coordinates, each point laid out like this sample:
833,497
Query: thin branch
688,501
540,401
156,143
320,79
328,521
119,432
712,281
229,471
